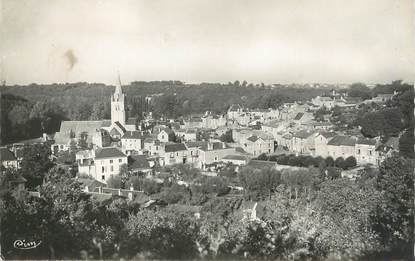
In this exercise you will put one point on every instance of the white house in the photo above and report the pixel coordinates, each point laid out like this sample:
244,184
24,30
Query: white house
257,145
165,135
101,163
341,146
320,143
131,142
365,151
174,153
213,152
303,142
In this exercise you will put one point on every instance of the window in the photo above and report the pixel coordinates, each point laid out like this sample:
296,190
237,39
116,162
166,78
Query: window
119,160
162,137
103,169
103,177
112,168
358,151
177,154
216,158
370,153
110,161
191,152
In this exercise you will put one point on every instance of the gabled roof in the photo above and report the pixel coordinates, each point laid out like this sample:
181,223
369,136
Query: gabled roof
6,154
287,136
327,134
298,116
168,131
110,152
342,141
303,134
366,141
90,183
195,144
82,126
119,125
173,147
253,138
132,135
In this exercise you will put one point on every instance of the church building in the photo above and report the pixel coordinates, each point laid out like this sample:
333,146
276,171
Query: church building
100,133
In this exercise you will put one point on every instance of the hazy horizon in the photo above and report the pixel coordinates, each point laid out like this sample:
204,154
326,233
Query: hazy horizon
299,41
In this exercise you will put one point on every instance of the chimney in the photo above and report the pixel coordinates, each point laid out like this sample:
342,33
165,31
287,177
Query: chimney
119,192
209,145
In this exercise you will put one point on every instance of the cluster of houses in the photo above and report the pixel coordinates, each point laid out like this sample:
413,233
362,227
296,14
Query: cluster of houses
111,145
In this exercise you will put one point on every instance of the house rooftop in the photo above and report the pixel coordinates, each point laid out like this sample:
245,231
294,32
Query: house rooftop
109,152
298,116
342,141
327,134
173,147
132,135
366,141
303,134
195,144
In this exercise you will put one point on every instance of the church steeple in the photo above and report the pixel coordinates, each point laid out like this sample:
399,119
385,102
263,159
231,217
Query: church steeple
118,89
118,105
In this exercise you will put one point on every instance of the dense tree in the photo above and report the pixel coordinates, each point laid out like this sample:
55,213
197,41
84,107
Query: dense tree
360,90
350,162
35,163
387,122
259,183
150,186
406,144
115,182
395,219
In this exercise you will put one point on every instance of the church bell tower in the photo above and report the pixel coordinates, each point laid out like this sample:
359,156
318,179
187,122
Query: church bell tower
118,105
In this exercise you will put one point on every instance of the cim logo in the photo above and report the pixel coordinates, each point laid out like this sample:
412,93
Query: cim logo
22,244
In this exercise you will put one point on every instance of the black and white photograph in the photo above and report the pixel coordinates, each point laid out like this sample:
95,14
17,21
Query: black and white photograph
207,130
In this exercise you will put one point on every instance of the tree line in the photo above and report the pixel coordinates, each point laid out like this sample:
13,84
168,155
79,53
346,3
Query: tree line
299,215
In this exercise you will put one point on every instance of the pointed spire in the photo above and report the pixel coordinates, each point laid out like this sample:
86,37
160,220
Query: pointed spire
118,87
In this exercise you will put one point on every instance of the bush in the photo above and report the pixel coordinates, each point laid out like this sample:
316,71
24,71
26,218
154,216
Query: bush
340,163
350,162
333,172
263,156
329,162
174,194
114,182
151,187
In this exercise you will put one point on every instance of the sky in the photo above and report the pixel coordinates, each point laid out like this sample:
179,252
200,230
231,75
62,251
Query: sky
269,41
